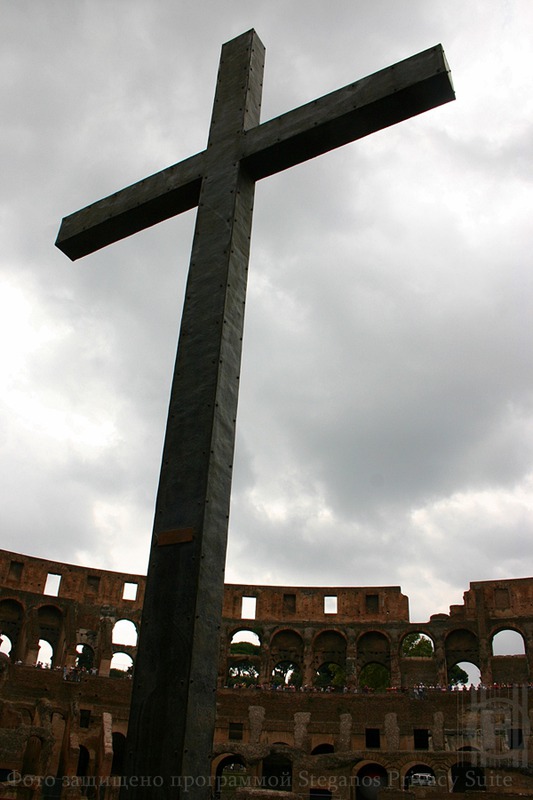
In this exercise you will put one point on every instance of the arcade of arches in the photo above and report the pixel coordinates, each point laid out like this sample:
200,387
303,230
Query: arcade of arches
329,693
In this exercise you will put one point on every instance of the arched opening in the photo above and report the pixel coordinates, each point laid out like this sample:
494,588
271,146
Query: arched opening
417,645
320,749
373,661
50,624
374,677
330,676
11,616
463,675
277,773
242,674
119,751
245,636
121,666
6,645
461,645
32,756
83,762
419,775
244,658
45,654
85,657
286,645
370,779
230,775
329,647
124,632
508,642
467,778
287,673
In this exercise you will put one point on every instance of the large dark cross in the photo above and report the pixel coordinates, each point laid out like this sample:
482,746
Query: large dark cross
174,687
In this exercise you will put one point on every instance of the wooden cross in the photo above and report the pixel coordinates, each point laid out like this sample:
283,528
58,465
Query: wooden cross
173,706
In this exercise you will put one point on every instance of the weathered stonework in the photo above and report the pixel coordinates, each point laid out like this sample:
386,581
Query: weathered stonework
72,730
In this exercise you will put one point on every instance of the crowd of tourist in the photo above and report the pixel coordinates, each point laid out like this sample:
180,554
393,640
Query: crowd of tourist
418,691
74,674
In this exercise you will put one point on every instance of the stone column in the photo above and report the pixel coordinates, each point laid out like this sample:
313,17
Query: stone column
440,658
395,674
32,638
308,671
485,666
256,717
351,660
266,667
344,738
106,646
528,639
301,721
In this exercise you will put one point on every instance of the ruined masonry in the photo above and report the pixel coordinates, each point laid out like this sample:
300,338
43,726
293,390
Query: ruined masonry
321,738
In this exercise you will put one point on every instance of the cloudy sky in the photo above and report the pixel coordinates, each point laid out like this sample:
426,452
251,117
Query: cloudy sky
385,429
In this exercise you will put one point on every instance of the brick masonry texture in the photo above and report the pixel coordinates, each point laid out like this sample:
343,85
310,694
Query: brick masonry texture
68,724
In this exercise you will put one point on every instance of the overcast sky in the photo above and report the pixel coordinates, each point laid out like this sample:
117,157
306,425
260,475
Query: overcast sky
385,427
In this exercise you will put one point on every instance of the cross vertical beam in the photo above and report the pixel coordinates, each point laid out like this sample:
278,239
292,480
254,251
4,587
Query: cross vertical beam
173,706
172,715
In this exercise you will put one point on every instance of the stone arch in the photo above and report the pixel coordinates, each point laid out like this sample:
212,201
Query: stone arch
220,761
508,641
45,654
124,632
509,662
121,665
287,673
418,662
330,675
374,676
276,772
461,644
417,644
329,647
373,647
286,645
230,774
287,655
472,670
11,625
370,778
414,769
85,656
119,753
242,672
51,629
320,749
467,777
244,635
244,657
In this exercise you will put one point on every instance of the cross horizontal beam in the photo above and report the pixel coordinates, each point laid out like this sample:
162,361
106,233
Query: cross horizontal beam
391,95
378,101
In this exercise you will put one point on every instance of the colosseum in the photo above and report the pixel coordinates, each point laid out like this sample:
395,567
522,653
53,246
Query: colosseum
322,692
